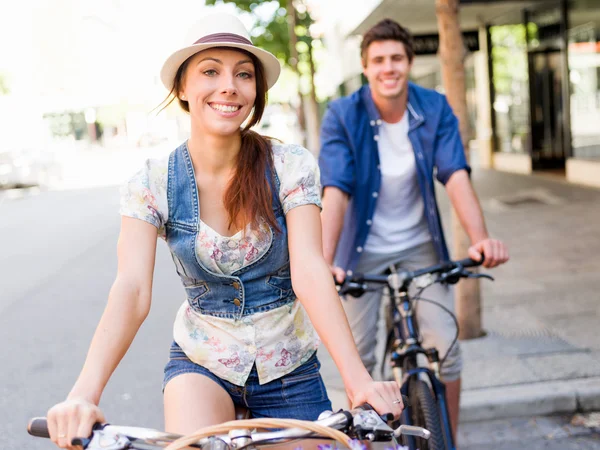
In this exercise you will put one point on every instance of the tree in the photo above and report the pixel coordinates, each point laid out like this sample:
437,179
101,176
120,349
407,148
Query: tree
3,85
452,55
286,34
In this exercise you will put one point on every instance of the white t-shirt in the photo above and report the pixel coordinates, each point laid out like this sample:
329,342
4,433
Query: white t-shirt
399,220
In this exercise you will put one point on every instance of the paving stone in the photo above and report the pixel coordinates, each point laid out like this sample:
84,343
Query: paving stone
496,372
564,366
588,394
547,425
517,401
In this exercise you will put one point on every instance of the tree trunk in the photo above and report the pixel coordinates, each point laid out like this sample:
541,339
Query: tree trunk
452,55
312,119
291,18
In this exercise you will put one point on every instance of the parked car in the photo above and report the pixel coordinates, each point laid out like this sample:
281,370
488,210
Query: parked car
25,168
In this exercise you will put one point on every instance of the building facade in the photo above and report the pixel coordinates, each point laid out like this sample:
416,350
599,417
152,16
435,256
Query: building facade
533,77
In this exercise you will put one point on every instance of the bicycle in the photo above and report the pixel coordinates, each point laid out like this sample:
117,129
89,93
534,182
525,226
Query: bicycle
348,427
427,394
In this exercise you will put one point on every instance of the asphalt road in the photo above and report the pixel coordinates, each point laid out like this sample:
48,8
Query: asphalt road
57,263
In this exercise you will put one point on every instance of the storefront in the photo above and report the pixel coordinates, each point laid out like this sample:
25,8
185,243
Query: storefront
534,80
545,85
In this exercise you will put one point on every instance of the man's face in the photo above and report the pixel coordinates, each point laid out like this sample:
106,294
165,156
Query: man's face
387,67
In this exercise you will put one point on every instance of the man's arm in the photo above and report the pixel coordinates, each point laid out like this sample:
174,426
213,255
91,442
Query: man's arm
335,202
336,163
465,203
453,171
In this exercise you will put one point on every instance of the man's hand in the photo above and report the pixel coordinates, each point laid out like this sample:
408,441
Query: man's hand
338,274
494,251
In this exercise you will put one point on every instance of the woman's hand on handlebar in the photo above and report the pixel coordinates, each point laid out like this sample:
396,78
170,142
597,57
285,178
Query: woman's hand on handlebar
383,396
72,418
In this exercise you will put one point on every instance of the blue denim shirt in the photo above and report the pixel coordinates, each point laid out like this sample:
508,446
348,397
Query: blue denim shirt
261,286
349,160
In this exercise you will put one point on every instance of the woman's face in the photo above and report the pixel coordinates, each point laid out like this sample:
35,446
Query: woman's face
220,88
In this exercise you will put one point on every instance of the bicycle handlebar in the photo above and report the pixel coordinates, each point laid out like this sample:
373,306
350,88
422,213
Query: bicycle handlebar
363,420
450,271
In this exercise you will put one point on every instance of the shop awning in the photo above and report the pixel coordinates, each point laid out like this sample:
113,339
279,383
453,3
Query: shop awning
419,16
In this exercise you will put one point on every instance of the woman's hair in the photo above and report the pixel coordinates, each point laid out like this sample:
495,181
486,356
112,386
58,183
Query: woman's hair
249,193
387,30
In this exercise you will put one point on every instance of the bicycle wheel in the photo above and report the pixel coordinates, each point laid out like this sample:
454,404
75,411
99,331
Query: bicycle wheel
425,413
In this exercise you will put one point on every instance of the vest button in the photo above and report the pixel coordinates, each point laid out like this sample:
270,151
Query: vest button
236,302
236,285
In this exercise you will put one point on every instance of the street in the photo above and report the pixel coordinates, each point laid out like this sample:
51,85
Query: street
58,261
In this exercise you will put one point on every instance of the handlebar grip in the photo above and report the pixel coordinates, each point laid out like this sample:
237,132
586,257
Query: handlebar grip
468,262
38,427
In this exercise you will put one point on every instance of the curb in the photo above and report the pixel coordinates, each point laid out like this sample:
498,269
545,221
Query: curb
532,399
522,400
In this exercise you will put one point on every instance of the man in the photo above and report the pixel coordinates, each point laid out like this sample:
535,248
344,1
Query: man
380,149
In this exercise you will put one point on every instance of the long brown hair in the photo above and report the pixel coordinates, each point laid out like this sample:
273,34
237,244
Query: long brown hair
248,196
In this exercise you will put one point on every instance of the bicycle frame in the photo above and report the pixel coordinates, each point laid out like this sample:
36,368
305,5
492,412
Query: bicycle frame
406,348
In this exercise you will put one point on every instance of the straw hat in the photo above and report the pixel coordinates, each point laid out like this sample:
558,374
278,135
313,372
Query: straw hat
219,30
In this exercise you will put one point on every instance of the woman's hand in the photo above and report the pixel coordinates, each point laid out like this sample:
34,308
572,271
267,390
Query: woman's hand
71,419
383,396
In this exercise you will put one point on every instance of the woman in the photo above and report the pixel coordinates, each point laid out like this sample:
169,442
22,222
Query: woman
240,214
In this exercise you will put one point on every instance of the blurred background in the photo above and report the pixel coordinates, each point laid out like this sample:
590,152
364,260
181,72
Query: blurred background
79,79
79,90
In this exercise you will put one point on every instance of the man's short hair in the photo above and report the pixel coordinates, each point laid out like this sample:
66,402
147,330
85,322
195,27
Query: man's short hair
387,30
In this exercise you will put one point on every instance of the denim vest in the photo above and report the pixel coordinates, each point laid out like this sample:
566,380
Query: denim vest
261,286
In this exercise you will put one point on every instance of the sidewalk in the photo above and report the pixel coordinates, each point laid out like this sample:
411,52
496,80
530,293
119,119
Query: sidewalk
541,354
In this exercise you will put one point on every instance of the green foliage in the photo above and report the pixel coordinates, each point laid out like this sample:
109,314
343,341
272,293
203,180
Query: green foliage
3,85
509,56
270,32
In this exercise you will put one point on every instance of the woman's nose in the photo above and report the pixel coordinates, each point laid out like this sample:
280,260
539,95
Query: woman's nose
228,86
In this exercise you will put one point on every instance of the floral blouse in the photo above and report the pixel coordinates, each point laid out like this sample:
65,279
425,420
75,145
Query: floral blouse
276,341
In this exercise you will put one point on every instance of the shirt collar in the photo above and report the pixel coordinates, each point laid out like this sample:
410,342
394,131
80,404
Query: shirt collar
415,112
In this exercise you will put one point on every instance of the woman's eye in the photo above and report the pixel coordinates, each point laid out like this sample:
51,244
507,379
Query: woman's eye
210,72
245,75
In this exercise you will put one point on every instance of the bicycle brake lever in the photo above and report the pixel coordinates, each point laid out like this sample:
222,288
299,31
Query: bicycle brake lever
411,430
479,275
369,425
104,441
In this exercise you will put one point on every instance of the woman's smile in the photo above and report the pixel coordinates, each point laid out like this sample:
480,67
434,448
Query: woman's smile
226,109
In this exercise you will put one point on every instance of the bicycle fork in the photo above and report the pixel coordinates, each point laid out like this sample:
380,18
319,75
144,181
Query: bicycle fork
407,344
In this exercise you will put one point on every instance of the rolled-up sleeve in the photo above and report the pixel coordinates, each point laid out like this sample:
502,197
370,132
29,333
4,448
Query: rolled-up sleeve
336,161
449,151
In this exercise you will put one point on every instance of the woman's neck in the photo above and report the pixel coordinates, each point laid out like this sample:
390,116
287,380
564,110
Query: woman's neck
214,154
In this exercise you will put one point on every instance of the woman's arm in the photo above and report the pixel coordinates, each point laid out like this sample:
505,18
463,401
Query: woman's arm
313,284
127,307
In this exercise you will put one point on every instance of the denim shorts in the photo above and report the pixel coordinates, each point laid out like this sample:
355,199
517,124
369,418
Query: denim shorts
300,394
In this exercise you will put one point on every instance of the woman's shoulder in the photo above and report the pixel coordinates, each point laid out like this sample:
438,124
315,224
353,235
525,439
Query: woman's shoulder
150,177
153,171
291,157
284,150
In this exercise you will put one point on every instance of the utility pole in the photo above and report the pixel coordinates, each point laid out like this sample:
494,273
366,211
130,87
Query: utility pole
452,55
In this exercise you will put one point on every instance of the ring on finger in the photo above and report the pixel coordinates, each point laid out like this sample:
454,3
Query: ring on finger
62,435
397,401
